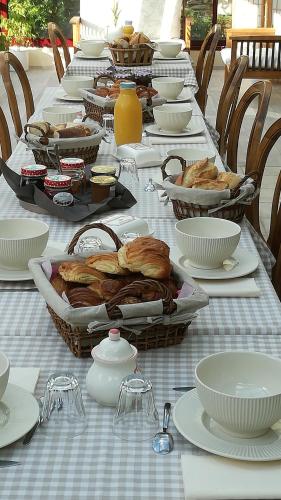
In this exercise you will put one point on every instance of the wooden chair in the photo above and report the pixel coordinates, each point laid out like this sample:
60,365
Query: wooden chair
261,45
8,60
5,141
228,101
54,34
205,64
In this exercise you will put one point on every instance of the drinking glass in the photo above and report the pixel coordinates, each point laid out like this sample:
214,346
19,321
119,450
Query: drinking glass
63,412
108,125
129,175
136,417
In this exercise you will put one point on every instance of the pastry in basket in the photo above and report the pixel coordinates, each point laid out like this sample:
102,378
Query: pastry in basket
59,284
82,297
138,38
209,185
79,272
146,255
233,180
76,131
107,263
202,169
108,288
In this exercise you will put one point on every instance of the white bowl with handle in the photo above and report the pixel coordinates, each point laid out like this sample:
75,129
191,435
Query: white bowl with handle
60,114
170,48
92,47
241,391
172,117
168,87
207,241
21,240
73,84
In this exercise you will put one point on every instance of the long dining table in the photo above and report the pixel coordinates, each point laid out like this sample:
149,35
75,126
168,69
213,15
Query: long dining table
97,465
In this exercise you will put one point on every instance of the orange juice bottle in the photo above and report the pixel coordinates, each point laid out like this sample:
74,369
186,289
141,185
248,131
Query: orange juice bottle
128,28
127,115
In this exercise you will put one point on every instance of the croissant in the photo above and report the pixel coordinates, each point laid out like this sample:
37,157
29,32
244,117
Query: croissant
79,272
82,297
107,263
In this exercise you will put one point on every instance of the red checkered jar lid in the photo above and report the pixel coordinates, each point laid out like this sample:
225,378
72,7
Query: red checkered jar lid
57,181
72,164
34,170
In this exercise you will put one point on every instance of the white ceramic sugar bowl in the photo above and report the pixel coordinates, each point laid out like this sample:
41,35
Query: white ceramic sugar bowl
114,359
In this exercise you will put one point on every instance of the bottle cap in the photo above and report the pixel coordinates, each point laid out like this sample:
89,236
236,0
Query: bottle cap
127,85
128,23
114,334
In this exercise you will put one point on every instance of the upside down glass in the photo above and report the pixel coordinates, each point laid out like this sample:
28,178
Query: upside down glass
129,175
108,125
136,417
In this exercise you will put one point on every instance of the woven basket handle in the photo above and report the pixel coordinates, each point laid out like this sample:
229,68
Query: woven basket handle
95,225
163,168
102,77
136,289
44,139
253,173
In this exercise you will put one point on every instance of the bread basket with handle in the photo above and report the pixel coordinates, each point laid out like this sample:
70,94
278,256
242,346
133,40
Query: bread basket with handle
85,327
232,208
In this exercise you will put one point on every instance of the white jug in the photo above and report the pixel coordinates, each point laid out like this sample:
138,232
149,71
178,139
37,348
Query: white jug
114,359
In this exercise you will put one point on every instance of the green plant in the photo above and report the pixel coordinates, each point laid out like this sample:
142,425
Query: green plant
116,11
19,25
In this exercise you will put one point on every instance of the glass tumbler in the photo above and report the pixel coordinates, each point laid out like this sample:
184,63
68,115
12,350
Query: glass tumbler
129,175
136,417
63,412
108,125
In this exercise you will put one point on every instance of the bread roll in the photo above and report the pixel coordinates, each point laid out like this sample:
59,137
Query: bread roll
79,273
107,263
201,169
138,38
77,131
146,255
44,126
232,179
210,185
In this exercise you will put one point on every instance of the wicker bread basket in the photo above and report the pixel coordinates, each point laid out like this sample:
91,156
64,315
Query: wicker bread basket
136,56
77,336
184,210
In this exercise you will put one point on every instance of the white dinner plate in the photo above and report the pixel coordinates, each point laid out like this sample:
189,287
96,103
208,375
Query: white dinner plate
195,425
185,95
158,56
53,248
81,55
22,414
247,263
191,129
69,98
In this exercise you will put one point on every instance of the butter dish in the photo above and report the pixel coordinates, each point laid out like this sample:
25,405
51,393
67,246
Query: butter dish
144,156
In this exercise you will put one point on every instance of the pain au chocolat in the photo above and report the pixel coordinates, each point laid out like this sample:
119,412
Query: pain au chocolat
79,272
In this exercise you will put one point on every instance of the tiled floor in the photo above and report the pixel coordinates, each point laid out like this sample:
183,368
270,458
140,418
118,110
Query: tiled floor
40,78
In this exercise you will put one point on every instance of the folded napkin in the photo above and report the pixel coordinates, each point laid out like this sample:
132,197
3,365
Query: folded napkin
217,478
239,287
26,378
199,139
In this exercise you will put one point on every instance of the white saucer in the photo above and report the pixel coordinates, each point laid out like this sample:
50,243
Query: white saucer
158,56
81,55
53,248
196,426
247,263
69,98
23,413
185,95
191,129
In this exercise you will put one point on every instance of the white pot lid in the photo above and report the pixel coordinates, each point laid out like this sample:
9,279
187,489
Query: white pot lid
114,349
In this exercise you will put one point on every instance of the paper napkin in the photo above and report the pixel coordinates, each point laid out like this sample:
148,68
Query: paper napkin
240,287
177,140
217,478
24,377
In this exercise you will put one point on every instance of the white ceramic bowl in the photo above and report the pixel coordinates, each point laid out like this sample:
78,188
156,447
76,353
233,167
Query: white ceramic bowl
4,373
189,155
92,47
73,84
169,49
60,114
172,117
240,390
21,240
207,241
169,87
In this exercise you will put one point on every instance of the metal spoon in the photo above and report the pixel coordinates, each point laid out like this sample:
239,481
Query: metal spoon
163,442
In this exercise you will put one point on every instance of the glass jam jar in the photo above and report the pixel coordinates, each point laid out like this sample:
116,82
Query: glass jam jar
54,184
33,174
75,168
101,187
103,170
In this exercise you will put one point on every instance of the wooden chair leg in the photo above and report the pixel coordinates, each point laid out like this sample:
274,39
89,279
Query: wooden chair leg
226,72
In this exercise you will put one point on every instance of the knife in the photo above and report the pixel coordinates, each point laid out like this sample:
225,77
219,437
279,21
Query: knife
183,389
8,463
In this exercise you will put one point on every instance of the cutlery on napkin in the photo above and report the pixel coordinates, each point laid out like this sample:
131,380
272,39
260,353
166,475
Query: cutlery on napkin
225,479
176,140
237,287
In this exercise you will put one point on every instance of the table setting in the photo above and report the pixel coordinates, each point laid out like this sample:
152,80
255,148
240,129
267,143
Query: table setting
144,353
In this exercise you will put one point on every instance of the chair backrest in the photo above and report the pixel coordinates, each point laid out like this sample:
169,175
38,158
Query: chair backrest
8,60
205,64
54,34
5,141
247,32
228,100
261,91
